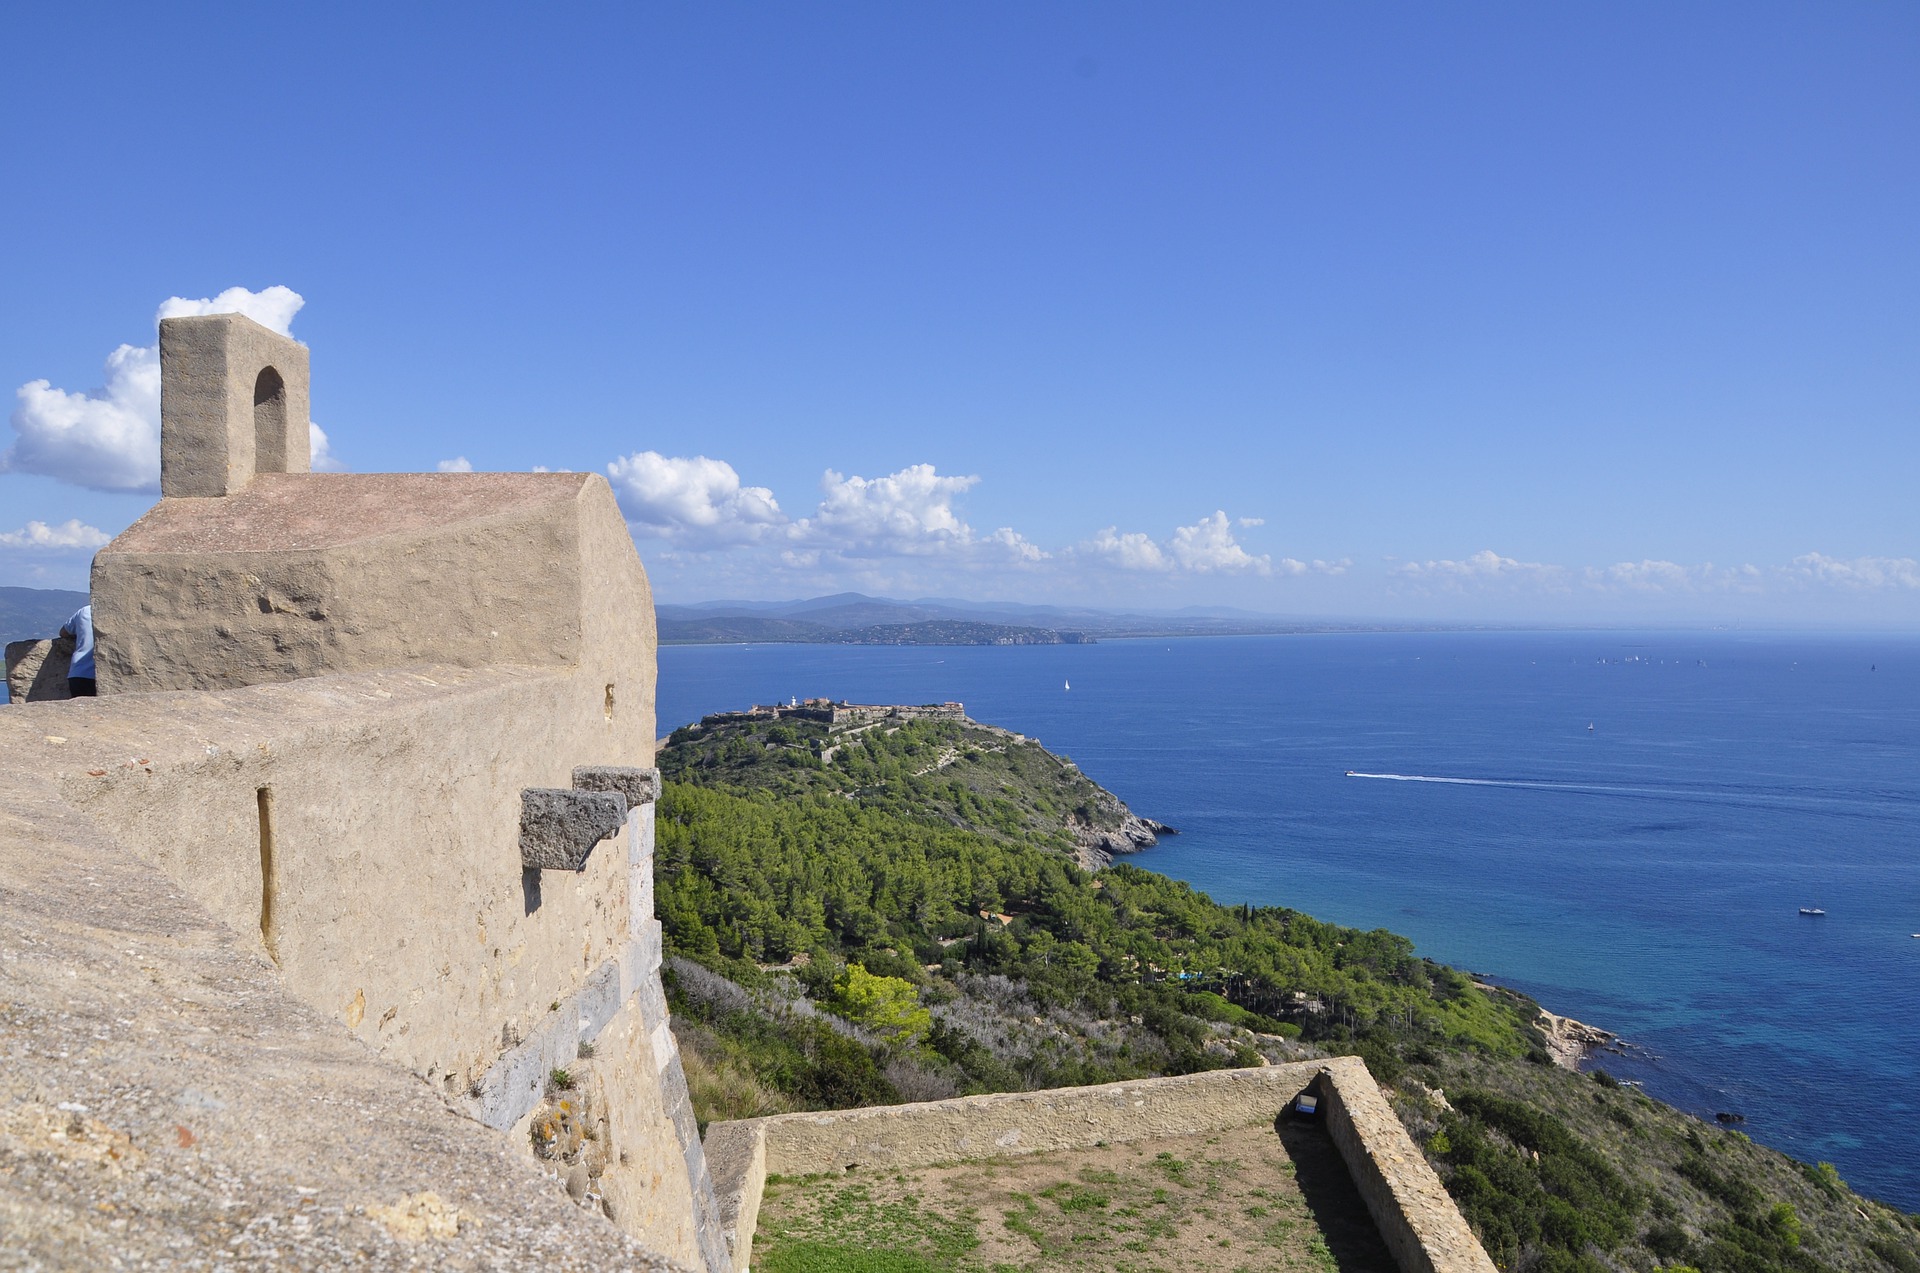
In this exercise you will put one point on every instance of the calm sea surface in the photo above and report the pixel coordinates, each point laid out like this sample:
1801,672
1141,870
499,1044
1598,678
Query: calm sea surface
1644,875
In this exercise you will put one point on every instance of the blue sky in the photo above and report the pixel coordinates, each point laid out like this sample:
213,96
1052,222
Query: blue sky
1464,312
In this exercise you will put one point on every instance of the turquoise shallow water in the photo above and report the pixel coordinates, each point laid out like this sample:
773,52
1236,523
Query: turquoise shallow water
1644,875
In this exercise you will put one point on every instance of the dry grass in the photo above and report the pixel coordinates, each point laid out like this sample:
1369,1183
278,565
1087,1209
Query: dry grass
1247,1199
722,1087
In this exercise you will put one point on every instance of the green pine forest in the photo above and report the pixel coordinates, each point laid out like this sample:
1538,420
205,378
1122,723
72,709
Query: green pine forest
901,914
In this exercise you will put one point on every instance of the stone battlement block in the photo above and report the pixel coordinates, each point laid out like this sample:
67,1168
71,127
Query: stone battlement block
233,403
639,786
559,826
37,670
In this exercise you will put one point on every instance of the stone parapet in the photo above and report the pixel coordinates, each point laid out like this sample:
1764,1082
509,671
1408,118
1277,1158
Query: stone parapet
37,670
1410,1206
166,1097
891,1137
737,1158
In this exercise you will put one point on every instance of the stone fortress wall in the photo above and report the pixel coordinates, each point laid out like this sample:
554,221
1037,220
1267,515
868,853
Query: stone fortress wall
394,732
839,717
371,762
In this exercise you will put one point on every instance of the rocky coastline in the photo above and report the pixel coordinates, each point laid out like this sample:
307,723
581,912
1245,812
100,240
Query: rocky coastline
1097,848
1569,1041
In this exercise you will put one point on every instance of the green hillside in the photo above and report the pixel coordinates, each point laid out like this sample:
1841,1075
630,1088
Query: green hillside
903,916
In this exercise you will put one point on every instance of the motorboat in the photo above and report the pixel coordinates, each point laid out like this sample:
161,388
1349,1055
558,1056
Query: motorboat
1811,910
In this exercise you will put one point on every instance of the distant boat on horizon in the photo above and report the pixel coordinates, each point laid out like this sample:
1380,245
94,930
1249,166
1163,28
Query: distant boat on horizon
1811,910
1066,685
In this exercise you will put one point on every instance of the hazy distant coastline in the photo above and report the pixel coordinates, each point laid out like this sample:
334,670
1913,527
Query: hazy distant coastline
850,618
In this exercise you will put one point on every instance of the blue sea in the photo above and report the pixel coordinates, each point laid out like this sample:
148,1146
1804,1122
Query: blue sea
1624,825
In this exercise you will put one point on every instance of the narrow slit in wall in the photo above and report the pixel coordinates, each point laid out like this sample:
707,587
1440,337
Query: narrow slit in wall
269,929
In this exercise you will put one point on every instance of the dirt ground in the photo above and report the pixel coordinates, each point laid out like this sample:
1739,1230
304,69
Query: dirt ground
1247,1199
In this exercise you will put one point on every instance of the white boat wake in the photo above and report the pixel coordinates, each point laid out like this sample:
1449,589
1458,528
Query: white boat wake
1592,788
1844,803
1464,782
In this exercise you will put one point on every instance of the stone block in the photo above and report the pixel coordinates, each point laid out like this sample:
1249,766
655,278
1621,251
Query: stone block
640,902
737,1162
233,403
598,1000
513,1084
559,826
37,670
652,999
639,786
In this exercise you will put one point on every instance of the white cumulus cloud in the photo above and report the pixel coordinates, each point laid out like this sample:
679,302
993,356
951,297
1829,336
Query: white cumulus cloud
68,535
109,439
1860,573
272,307
1134,550
908,513
1645,576
1671,577
1206,547
911,513
700,505
458,464
1015,545
323,459
693,501
1482,568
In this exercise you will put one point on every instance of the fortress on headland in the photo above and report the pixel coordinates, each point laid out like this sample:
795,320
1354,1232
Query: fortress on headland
327,934
837,716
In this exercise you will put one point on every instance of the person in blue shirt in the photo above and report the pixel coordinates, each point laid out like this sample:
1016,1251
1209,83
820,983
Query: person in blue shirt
80,678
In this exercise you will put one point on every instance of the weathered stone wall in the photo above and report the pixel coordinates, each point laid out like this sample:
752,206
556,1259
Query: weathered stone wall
398,905
165,1102
1410,1207
315,574
898,1136
233,403
392,731
737,1156
392,894
852,715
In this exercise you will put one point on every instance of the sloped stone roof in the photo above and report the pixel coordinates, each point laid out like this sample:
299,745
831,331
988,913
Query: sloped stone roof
292,512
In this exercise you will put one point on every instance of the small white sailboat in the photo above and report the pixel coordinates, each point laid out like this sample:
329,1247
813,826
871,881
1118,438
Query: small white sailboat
1066,685
1589,727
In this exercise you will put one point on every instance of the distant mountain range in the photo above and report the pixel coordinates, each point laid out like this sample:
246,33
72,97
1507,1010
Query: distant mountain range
851,618
845,618
27,613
